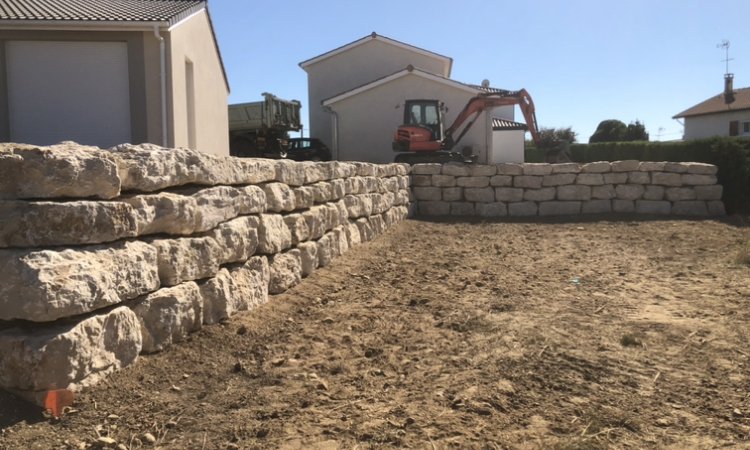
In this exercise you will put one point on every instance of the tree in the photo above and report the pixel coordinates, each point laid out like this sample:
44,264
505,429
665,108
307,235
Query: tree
550,137
611,130
636,132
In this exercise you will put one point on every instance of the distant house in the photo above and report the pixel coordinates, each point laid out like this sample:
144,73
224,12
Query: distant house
105,72
357,94
725,114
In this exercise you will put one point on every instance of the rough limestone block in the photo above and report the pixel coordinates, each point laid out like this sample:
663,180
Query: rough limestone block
482,195
666,179
352,230
537,168
509,169
297,227
574,192
317,220
623,206
338,187
629,191
596,207
501,180
702,168
325,245
68,355
426,169
432,208
343,242
482,170
421,180
378,224
315,171
615,178
379,204
508,194
496,209
639,178
566,168
559,179
462,209
590,179
148,168
427,193
528,181
625,166
164,212
651,166
715,208
404,182
661,207
596,167
286,271
692,179
456,169
252,200
322,191
372,184
606,192
308,256
45,285
365,169
304,197
346,170
713,192
403,197
675,194
676,167
358,206
289,172
522,209
453,194
473,182
654,192
443,180
188,258
279,197
273,234
690,208
216,205
366,233
559,208
540,195
37,224
239,288
355,185
63,170
237,239
168,315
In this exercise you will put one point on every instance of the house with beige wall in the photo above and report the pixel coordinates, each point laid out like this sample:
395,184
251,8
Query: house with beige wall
357,94
109,72
725,114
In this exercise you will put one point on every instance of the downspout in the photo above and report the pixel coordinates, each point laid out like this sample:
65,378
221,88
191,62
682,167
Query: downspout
163,81
335,131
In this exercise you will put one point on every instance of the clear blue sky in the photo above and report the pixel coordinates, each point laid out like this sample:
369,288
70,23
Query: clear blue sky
582,61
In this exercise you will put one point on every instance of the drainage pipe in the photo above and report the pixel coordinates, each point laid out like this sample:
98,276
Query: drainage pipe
163,81
335,131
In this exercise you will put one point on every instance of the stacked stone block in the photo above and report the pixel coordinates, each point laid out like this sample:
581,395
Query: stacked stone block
107,254
539,189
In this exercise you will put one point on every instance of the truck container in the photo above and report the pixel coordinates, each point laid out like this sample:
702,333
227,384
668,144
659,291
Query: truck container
261,129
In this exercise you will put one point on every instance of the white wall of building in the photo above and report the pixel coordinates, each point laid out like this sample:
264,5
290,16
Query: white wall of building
699,127
507,147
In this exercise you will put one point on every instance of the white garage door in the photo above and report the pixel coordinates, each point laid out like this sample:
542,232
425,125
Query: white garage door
68,91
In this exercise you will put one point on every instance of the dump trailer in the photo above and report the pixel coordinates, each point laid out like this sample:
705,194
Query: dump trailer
261,129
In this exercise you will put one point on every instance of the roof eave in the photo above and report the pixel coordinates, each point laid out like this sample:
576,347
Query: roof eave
89,25
686,114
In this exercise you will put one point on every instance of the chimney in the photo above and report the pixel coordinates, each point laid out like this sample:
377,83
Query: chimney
728,88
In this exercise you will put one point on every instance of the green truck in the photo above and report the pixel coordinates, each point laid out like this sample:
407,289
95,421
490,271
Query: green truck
261,129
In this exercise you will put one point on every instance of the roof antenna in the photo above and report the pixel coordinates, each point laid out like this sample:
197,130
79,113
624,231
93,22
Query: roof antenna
725,45
728,77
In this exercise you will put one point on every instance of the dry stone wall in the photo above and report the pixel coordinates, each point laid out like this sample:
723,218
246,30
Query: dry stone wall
538,189
107,254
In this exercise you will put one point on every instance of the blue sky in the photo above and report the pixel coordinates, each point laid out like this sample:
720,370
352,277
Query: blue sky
582,61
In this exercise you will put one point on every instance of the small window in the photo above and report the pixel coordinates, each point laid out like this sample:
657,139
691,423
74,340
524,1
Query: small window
734,128
746,127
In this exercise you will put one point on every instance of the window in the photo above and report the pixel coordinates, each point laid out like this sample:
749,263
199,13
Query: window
746,127
734,127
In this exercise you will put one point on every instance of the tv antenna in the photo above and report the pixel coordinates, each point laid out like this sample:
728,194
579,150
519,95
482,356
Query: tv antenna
725,45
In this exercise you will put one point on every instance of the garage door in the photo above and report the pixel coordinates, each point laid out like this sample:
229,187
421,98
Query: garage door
68,91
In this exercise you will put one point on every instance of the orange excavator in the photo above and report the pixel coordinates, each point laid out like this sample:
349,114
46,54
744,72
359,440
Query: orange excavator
421,138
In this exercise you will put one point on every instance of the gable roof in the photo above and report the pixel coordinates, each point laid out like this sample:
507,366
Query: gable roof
716,105
448,61
170,11
395,76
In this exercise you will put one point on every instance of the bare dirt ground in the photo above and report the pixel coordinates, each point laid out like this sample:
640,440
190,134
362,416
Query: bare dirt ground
584,335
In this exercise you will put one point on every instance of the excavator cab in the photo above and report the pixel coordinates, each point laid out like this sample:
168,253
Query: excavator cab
422,129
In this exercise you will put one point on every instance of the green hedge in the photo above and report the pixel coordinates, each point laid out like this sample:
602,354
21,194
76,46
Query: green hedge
730,155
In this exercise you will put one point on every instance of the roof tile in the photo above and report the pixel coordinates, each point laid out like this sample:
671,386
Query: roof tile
716,104
97,10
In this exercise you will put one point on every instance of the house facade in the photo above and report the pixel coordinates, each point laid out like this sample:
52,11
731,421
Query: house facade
147,71
726,114
357,94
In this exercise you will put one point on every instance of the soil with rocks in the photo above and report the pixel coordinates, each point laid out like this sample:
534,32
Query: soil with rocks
608,333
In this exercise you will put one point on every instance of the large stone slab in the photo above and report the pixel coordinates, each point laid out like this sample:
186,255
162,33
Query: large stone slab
559,208
298,228
273,234
63,170
286,271
309,256
317,219
169,315
290,172
237,239
239,288
39,224
164,212
68,355
187,258
279,197
45,285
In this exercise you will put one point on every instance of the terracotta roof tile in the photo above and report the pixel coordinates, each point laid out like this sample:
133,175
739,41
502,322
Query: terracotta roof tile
716,104
97,10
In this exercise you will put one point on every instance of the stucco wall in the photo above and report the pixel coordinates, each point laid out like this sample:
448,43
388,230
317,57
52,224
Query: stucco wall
714,124
355,67
192,40
507,147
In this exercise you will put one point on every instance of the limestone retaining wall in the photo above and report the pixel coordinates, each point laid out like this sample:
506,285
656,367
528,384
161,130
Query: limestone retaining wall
107,254
533,189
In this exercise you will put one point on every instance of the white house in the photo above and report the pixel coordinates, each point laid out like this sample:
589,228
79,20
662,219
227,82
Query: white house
357,93
717,116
